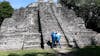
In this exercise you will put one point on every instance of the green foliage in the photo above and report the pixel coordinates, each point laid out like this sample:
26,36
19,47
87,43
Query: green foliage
80,2
88,51
5,10
98,2
89,10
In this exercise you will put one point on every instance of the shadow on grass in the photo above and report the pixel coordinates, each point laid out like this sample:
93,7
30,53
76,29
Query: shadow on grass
13,54
39,54
87,51
33,54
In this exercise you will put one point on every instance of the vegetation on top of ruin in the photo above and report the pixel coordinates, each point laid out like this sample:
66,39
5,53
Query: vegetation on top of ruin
80,2
89,10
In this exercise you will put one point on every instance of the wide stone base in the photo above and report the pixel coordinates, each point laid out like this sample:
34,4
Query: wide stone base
20,41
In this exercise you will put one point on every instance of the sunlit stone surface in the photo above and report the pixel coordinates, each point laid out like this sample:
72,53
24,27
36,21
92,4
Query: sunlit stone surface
23,30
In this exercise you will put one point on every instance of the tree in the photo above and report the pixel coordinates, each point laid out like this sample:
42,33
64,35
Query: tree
89,10
6,10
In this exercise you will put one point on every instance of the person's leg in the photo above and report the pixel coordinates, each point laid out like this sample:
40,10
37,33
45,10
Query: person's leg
59,44
53,42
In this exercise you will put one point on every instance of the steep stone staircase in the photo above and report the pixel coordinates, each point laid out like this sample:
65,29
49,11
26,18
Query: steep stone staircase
73,27
49,24
31,26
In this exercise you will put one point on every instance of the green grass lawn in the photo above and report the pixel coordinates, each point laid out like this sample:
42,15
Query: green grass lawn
38,52
88,51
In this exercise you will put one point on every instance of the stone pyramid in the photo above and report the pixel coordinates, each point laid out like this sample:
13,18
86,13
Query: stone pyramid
31,27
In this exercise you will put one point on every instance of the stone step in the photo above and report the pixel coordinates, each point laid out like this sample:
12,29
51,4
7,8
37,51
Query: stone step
71,24
49,24
16,40
31,43
32,46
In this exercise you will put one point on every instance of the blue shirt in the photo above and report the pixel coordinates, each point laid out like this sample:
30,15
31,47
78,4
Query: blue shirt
58,37
53,35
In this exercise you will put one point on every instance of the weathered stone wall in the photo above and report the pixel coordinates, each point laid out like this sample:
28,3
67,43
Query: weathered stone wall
74,28
49,23
22,30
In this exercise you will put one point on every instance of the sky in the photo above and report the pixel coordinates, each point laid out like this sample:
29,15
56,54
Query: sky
16,4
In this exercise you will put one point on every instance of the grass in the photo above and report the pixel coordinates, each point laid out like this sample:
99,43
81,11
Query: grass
38,52
88,51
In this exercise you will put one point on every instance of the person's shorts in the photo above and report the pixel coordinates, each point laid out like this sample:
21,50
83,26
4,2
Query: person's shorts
57,41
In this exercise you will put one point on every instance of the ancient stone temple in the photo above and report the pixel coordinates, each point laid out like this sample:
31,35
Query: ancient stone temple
31,27
22,30
40,0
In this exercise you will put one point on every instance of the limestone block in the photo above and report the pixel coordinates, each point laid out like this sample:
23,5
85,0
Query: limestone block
33,5
50,1
20,29
97,39
49,24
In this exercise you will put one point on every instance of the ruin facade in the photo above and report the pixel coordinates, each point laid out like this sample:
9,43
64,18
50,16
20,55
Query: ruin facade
31,27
